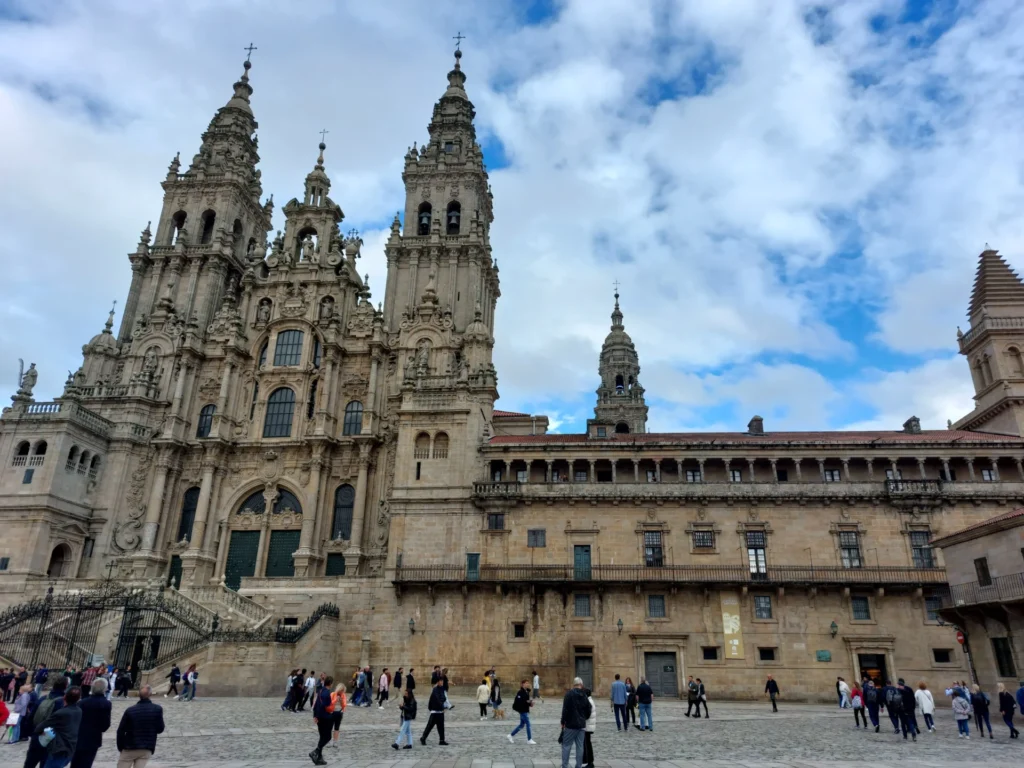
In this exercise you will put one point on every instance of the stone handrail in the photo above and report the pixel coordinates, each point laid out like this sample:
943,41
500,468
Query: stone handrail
70,410
990,323
179,600
253,612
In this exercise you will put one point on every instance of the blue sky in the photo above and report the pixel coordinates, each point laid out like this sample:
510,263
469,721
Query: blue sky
793,195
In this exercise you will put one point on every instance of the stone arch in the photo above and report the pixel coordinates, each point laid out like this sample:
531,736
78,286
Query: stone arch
421,448
72,461
423,217
209,220
306,231
622,428
83,462
453,218
177,225
1016,361
21,454
39,449
440,448
60,561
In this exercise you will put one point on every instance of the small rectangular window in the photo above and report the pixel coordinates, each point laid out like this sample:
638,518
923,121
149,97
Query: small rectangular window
831,475
762,606
87,547
693,475
782,475
419,468
290,621
703,539
519,629
988,475
536,537
522,475
656,606
496,521
602,432
849,549
335,564
5,563
942,655
581,606
981,568
495,476
27,477
861,607
897,475
581,476
766,654
1004,657
932,604
652,476
736,475
710,652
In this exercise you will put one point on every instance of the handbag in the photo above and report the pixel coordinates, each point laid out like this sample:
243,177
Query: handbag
560,737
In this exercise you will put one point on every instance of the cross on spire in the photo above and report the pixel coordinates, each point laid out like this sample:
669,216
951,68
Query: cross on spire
458,38
616,284
114,306
323,135
249,51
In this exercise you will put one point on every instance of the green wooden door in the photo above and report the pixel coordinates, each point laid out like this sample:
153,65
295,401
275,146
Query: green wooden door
279,557
473,566
242,553
581,562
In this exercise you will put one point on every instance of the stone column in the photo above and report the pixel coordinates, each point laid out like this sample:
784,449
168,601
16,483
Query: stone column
572,471
821,469
920,468
775,471
218,483
359,507
799,474
505,472
211,461
750,463
995,470
548,476
371,405
179,390
592,477
154,509
895,469
949,478
269,499
316,466
728,470
657,470
970,468
846,469
614,478
700,469
193,276
871,469
636,470
222,550
679,464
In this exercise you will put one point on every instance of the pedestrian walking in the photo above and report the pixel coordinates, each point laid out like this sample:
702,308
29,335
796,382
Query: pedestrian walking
289,680
407,711
1020,697
1006,707
631,700
137,732
174,676
308,690
771,690
536,685
980,702
444,684
871,702
410,681
191,684
396,684
382,688
340,701
575,713
298,690
702,698
95,722
691,696
483,697
892,700
908,720
357,696
323,718
495,695
962,715
368,687
62,728
843,688
436,707
619,697
926,703
857,700
37,753
588,733
645,697
522,704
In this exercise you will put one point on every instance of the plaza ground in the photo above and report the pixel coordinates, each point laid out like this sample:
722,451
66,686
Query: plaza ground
254,733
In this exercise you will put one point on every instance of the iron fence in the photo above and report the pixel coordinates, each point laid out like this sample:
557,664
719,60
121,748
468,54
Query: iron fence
1003,589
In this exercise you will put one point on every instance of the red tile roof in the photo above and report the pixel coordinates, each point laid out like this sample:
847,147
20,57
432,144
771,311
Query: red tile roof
937,436
997,519
509,414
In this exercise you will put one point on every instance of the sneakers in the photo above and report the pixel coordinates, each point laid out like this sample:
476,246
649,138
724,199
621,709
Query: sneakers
531,741
510,739
394,746
443,743
407,746
967,737
483,718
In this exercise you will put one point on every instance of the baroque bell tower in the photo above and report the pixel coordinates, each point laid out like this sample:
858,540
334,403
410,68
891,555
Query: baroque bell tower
620,398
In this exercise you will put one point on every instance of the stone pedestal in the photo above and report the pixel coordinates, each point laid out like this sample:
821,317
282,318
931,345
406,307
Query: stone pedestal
306,563
197,568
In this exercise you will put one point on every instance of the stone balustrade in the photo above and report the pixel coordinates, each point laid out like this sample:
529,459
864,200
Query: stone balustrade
67,410
228,599
987,323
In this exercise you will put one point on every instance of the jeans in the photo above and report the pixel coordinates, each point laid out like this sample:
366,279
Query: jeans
894,718
873,713
57,762
908,724
191,693
1008,719
524,720
775,707
929,721
980,717
83,758
405,732
963,726
447,704
645,710
39,690
436,719
621,708
631,711
571,736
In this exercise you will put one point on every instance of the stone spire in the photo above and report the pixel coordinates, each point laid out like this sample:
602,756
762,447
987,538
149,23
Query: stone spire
317,182
995,285
620,398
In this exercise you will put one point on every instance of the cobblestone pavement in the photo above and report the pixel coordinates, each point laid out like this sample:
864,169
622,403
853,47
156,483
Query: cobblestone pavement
254,733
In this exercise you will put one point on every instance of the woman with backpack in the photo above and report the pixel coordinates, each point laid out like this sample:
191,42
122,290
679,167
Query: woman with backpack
323,717
1006,707
962,714
926,703
857,699
871,702
979,701
408,713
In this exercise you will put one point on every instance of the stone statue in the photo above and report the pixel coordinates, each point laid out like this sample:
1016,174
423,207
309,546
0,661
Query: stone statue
263,312
28,381
150,361
423,354
307,249
326,309
79,377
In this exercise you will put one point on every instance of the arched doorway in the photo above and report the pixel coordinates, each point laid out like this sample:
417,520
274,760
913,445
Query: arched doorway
60,561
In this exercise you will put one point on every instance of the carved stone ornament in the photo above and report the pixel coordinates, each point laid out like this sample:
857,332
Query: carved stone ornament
127,536
271,466
360,326
752,515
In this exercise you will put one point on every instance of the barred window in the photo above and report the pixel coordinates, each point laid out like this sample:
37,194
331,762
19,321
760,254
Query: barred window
861,607
849,549
289,348
1004,657
921,549
581,606
189,503
653,554
581,475
762,606
656,606
536,537
522,475
280,407
704,539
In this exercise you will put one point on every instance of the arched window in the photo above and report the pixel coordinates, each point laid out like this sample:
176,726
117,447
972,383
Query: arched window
423,220
94,467
622,428
619,384
353,424
178,220
205,420
263,355
1016,361
23,448
986,366
209,217
441,445
254,503
289,348
72,459
307,244
21,454
286,502
40,449
280,407
453,218
83,462
422,449
189,502
236,237
344,498
311,403
60,561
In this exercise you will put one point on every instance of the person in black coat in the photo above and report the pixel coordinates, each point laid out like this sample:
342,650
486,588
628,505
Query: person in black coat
436,707
95,722
65,723
410,681
140,725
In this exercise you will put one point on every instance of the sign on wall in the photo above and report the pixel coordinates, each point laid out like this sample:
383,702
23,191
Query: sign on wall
823,655
731,625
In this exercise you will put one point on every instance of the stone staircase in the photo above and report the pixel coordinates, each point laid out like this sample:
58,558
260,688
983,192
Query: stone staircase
233,609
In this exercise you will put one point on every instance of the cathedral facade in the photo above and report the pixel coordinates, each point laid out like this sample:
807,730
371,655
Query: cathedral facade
263,438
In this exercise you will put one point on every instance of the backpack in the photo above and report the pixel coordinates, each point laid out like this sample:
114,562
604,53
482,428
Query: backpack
894,700
43,711
329,705
870,695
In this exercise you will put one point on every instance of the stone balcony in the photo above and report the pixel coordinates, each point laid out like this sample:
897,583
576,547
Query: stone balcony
897,492
1002,589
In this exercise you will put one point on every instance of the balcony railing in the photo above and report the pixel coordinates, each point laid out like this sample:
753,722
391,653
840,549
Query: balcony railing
913,487
498,490
671,574
1003,589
